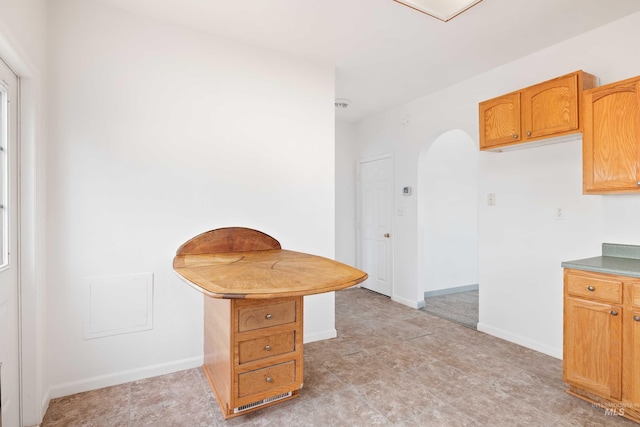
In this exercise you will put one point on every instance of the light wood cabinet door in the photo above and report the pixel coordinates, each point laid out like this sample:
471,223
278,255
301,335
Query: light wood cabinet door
634,356
611,138
551,108
593,346
500,120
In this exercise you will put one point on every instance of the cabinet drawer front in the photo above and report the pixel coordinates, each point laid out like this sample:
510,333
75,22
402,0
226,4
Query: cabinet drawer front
266,316
260,348
266,378
598,289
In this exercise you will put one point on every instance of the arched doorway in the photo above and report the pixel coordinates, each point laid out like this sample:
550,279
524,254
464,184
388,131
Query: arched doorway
448,227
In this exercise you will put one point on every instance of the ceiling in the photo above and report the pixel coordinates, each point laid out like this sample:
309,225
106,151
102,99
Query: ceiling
385,53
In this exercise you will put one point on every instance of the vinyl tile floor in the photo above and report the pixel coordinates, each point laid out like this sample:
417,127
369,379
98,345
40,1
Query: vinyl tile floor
389,366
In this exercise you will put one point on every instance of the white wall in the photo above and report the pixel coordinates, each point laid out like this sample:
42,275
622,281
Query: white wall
521,246
159,133
448,212
23,46
346,160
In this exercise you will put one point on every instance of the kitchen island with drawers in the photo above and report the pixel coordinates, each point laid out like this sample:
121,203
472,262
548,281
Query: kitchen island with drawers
253,312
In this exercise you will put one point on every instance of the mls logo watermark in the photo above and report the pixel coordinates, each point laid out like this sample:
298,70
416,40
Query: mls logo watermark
615,409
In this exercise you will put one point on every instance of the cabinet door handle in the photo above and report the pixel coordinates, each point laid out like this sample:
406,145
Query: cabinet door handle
529,133
267,347
268,379
268,316
636,318
614,313
591,288
515,136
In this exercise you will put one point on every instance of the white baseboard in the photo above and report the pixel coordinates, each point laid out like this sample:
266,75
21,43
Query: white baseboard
449,291
407,302
45,403
520,340
319,336
121,377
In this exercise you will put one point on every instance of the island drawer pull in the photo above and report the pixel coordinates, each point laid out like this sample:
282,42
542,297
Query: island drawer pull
636,318
268,316
591,288
614,313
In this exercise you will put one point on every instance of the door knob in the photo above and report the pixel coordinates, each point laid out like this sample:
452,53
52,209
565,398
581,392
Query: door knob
387,235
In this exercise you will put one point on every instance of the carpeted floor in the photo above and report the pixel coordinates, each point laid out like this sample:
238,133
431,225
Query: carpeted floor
461,308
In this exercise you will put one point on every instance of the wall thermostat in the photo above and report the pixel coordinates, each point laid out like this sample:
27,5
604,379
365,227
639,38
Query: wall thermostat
406,191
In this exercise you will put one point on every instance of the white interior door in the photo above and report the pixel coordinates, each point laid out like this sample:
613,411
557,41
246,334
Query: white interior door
9,325
375,216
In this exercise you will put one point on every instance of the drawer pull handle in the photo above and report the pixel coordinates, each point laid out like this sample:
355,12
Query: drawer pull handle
529,133
636,318
614,313
268,379
515,136
268,317
591,288
267,347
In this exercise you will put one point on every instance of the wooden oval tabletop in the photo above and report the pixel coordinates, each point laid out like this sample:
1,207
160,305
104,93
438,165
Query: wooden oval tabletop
264,273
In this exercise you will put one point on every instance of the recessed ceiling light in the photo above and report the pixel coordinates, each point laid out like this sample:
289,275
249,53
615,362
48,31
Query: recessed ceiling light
441,9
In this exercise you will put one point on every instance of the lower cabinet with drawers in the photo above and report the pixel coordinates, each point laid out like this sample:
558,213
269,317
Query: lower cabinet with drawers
253,355
601,361
253,311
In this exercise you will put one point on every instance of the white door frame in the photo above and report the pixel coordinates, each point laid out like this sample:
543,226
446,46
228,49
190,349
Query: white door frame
31,182
359,263
12,210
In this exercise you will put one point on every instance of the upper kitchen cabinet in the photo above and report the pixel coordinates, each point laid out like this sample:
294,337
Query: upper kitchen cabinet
546,110
611,138
500,121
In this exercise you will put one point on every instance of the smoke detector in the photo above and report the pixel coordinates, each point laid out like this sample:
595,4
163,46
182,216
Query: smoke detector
342,102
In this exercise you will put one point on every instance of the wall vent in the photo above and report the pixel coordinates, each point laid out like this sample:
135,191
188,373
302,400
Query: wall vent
261,402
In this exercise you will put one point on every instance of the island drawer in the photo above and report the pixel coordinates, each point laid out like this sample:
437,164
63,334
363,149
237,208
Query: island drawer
265,316
267,378
594,287
263,347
